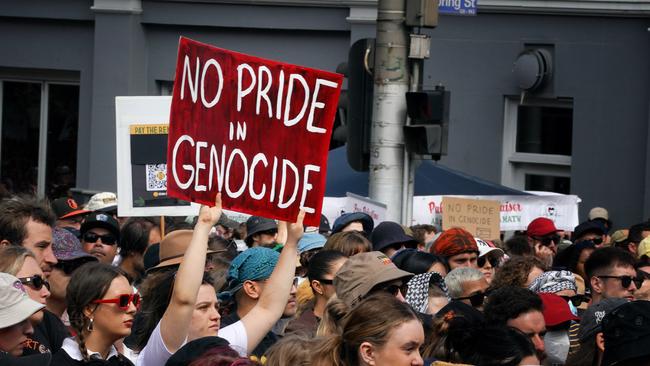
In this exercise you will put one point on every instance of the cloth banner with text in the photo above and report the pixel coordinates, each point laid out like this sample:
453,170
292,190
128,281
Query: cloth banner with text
516,211
256,130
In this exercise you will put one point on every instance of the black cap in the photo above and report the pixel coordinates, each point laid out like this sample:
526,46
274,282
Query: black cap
258,224
388,233
627,332
588,227
101,220
66,207
347,218
195,349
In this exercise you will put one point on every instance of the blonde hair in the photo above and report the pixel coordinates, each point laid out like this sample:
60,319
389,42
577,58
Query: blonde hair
334,312
294,350
372,320
12,258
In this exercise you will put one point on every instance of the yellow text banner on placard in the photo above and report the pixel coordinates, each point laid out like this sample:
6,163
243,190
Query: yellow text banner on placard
479,217
149,129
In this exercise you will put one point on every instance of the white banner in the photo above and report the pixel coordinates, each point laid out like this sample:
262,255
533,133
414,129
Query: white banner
516,211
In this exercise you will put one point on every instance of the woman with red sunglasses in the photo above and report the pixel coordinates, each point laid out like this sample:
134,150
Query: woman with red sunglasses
101,306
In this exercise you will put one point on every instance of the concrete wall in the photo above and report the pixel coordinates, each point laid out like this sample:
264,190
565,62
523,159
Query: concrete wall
601,62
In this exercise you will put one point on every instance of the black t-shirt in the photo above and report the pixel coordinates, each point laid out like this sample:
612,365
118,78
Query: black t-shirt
48,335
62,358
31,360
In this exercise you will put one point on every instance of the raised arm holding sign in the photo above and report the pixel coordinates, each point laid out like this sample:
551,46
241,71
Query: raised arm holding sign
256,130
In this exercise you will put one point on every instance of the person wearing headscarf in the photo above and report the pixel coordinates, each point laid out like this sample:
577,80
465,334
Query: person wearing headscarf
427,293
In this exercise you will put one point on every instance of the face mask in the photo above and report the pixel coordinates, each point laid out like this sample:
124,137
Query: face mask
556,343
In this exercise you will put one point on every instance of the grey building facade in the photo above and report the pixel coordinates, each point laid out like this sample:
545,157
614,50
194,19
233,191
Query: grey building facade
584,132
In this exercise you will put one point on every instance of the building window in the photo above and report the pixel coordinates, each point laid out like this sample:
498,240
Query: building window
537,145
38,141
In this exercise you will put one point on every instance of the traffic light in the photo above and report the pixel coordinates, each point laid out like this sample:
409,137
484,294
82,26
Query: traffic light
360,93
429,114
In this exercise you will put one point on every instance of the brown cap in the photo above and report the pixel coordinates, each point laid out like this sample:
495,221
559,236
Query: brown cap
362,272
173,247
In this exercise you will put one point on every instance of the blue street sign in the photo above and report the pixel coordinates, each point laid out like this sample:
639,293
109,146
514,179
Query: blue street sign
457,7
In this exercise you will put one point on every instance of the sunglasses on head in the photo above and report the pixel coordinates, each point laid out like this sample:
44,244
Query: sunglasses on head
576,300
107,239
122,301
546,240
480,261
36,282
476,299
626,281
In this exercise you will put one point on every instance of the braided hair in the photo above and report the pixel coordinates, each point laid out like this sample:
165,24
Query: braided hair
87,284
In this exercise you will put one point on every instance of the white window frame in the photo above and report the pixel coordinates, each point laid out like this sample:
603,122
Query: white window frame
43,125
515,165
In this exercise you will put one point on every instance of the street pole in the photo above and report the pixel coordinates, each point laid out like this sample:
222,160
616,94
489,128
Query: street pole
389,108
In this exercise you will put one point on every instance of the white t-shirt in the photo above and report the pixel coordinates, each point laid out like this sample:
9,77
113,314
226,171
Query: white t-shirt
155,353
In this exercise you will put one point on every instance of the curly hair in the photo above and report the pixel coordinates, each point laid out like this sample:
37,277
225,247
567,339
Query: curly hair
515,272
508,303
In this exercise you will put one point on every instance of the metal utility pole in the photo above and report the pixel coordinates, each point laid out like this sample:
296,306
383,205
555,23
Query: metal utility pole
389,110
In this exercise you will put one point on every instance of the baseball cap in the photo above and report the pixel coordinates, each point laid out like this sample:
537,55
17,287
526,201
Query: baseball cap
311,241
389,233
101,220
541,226
66,246
626,330
484,247
15,304
556,310
104,201
588,227
258,224
644,248
345,219
227,222
66,207
362,272
593,316
598,213
619,236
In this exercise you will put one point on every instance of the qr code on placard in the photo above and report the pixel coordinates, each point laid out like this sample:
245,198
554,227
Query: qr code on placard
156,177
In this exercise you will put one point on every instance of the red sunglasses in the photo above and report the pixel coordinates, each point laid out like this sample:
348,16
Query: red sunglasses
122,301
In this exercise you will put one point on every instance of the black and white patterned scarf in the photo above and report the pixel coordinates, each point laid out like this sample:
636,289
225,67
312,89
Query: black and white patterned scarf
417,294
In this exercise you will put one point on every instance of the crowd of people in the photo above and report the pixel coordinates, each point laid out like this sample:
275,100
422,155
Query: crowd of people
82,286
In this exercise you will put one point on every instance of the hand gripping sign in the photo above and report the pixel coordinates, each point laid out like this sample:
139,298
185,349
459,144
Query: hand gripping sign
256,130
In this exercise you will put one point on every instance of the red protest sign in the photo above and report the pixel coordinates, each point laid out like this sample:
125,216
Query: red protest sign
253,129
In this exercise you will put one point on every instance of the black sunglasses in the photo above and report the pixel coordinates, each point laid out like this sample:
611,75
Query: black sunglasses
107,239
626,281
546,240
391,289
480,261
576,300
36,282
597,241
476,299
